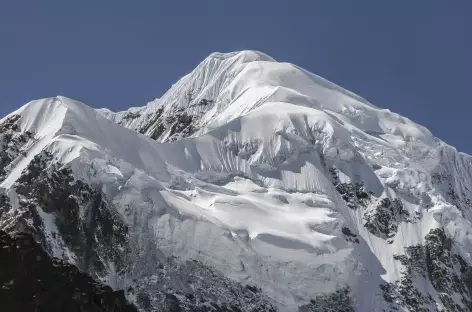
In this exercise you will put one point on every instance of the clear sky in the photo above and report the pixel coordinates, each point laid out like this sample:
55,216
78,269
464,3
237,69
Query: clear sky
413,57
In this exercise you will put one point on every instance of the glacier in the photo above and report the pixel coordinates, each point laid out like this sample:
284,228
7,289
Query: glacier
248,179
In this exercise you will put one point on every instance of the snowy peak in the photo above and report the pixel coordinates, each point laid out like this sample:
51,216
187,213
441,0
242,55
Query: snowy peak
227,86
244,56
250,179
55,116
42,116
179,112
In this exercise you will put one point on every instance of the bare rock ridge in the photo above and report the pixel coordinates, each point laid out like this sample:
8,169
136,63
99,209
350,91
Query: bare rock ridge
251,185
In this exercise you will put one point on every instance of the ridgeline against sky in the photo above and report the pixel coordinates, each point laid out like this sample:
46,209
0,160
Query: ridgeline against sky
410,57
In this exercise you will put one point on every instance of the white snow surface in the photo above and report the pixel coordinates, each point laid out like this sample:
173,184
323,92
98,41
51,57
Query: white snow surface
250,192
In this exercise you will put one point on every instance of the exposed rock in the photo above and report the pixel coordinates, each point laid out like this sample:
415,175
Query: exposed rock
436,262
176,123
351,237
153,122
32,281
353,193
5,205
193,286
12,143
85,221
339,301
383,221
180,125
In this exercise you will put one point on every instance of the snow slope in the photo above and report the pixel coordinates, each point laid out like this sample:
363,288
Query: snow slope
272,176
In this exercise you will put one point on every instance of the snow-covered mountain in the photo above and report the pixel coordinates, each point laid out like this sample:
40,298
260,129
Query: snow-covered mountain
251,185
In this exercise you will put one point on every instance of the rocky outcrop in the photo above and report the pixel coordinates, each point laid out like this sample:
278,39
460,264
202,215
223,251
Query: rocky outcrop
84,219
384,219
339,301
12,143
436,263
354,193
193,286
32,281
168,125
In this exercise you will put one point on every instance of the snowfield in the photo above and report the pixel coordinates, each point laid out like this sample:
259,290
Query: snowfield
272,176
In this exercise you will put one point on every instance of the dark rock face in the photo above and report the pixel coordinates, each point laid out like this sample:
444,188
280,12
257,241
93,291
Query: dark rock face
354,194
193,286
339,301
436,262
83,218
449,272
180,124
5,205
154,123
383,221
32,281
24,219
12,143
349,236
177,123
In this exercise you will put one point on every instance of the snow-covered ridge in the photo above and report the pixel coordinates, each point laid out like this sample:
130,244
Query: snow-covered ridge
233,84
266,173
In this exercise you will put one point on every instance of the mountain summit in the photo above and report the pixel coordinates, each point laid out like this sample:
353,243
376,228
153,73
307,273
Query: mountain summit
251,185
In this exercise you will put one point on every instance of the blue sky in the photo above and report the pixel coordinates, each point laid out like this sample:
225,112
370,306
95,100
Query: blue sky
413,57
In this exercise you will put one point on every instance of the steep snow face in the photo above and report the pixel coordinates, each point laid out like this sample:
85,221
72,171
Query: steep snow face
226,86
69,129
190,103
269,176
